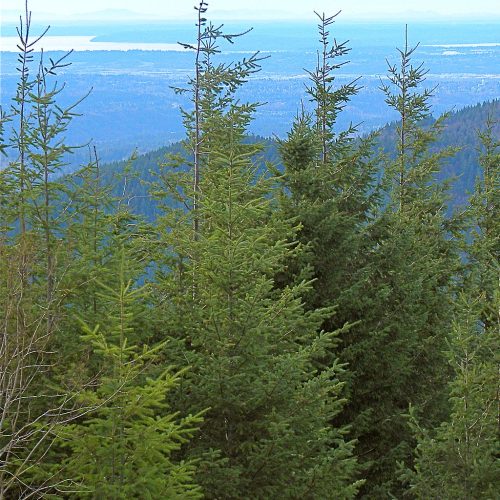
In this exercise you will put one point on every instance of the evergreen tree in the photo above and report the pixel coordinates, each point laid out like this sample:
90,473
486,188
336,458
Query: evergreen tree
55,243
30,297
126,447
288,318
98,225
397,350
253,347
459,459
329,186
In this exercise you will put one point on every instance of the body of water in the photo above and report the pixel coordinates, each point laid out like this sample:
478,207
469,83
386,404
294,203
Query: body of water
132,67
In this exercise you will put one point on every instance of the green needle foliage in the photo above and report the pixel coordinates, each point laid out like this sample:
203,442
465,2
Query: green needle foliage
267,334
31,301
397,351
329,186
459,459
253,347
125,447
56,240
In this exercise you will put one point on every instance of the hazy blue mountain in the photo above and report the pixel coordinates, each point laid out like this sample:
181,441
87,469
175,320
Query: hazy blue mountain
461,129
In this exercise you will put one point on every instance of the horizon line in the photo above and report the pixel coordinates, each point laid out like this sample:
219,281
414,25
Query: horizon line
365,20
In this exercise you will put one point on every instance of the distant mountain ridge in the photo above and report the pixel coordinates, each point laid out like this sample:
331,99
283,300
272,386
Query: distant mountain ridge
460,130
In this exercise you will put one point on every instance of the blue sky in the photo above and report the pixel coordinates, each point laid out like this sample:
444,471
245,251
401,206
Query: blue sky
259,9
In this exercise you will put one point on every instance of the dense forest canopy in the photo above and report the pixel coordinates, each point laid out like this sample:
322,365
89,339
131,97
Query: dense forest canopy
240,317
461,128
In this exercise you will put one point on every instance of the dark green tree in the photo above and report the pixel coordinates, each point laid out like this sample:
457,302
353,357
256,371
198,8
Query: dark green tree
459,458
252,346
397,349
329,185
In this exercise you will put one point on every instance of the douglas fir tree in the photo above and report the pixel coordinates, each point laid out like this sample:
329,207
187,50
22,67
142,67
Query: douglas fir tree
459,459
397,350
252,347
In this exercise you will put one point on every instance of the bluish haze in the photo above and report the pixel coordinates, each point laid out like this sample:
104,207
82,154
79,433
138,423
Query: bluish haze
258,9
132,104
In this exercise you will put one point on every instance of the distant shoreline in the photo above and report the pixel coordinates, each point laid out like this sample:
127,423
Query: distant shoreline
86,43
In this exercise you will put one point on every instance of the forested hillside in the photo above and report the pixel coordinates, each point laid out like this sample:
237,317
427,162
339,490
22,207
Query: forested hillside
460,130
296,319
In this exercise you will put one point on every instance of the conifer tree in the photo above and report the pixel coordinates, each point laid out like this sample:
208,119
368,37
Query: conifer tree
126,447
397,349
56,240
30,298
459,458
329,184
253,348
98,224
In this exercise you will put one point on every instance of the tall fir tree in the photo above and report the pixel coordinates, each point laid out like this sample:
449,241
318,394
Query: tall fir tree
56,241
397,349
330,186
30,297
459,458
253,347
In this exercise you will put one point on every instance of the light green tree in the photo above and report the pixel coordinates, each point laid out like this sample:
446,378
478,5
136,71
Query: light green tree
127,446
254,349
